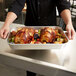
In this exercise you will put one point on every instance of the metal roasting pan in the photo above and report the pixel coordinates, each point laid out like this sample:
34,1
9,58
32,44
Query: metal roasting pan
37,46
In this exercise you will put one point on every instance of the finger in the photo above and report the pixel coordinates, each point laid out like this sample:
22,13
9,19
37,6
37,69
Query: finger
66,33
5,34
69,34
72,34
1,34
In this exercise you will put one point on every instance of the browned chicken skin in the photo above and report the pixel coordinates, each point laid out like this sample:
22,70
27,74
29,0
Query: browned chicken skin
24,35
47,35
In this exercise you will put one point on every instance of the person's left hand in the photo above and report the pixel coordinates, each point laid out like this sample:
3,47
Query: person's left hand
70,31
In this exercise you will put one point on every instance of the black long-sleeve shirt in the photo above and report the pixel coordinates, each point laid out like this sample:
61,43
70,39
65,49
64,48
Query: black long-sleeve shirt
40,12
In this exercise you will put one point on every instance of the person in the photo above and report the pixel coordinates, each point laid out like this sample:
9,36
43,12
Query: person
39,13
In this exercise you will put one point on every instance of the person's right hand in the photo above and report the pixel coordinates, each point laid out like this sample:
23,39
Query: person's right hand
4,32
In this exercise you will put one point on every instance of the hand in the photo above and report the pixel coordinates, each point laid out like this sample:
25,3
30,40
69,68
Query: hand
70,31
4,32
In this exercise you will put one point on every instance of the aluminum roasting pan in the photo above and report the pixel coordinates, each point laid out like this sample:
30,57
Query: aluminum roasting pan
37,46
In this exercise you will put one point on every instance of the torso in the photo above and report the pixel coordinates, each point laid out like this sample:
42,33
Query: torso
41,13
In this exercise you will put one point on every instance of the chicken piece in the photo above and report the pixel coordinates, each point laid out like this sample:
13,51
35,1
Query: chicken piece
24,35
12,34
47,35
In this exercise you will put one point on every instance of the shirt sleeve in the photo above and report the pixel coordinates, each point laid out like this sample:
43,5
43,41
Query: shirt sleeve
62,5
17,6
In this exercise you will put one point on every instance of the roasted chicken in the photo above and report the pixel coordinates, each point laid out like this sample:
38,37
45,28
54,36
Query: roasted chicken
47,35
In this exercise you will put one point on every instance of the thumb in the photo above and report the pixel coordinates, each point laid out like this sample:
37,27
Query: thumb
5,34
